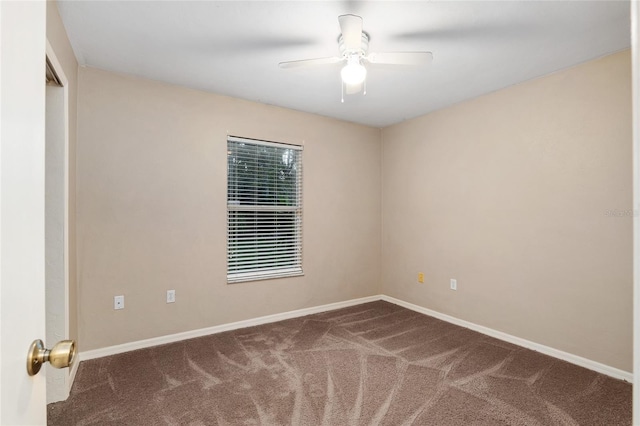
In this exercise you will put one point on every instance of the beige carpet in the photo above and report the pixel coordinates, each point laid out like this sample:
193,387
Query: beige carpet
372,364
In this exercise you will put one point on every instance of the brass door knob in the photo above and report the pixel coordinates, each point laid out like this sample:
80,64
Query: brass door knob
60,356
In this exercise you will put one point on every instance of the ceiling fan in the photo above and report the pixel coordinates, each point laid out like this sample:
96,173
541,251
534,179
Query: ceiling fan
354,51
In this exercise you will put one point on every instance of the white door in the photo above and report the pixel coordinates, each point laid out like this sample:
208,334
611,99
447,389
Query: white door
22,150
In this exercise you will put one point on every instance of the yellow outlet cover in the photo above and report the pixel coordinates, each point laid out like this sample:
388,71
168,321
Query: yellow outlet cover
420,277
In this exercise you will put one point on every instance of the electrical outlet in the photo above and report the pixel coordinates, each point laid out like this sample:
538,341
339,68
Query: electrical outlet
454,284
421,277
171,296
118,302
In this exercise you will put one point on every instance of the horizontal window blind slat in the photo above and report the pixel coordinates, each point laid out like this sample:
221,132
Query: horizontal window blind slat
253,208
264,227
245,240
239,140
270,269
260,266
267,253
262,233
262,269
246,245
262,236
268,224
269,231
265,260
274,255
256,260
265,274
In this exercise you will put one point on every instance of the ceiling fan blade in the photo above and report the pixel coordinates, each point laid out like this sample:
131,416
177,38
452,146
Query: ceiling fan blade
351,27
401,58
350,89
310,62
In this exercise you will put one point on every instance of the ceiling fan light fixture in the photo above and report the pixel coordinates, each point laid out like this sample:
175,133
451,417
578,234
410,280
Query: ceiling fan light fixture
354,72
353,44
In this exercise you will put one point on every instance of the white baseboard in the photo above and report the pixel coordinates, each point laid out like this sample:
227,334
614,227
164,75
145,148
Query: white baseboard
73,371
556,353
140,344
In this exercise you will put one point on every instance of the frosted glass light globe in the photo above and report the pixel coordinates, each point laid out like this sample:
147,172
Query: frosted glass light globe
354,72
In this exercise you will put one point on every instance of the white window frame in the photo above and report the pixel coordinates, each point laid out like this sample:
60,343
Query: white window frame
260,273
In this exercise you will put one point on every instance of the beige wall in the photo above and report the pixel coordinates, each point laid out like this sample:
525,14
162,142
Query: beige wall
152,209
507,193
57,37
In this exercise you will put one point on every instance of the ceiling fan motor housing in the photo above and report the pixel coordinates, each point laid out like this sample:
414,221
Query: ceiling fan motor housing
364,46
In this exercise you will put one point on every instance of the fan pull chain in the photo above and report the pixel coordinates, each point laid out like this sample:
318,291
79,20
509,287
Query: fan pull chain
342,91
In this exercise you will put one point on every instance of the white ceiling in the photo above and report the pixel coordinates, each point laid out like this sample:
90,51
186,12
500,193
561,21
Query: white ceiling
234,47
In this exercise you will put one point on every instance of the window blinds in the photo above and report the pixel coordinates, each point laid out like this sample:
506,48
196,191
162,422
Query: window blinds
264,209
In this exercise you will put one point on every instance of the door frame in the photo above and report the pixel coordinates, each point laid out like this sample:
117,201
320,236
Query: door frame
59,70
635,108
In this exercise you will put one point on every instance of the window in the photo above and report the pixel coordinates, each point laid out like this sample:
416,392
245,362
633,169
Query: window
264,209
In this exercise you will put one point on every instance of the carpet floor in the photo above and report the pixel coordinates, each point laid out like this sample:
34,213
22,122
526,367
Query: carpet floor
371,364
